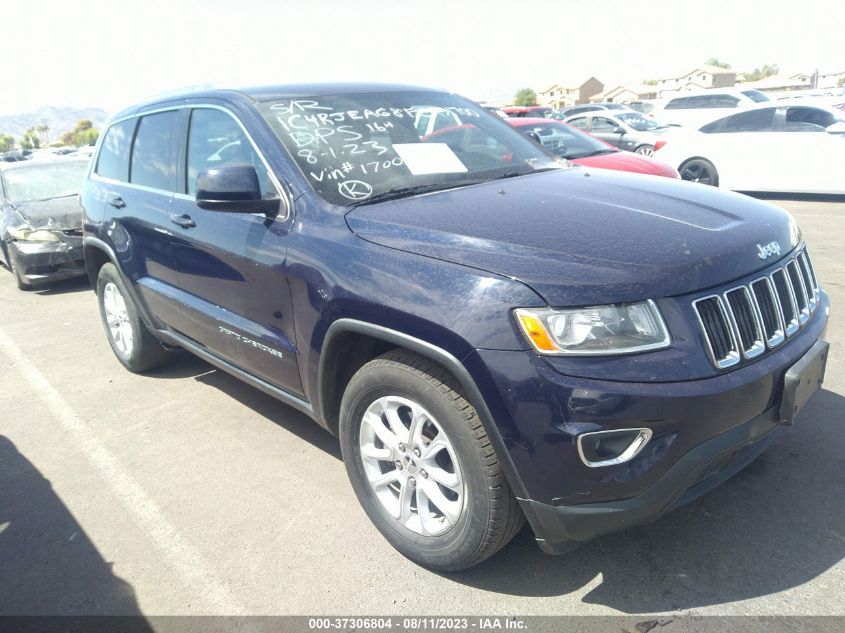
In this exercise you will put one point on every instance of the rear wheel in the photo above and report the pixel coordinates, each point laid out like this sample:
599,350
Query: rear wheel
130,340
700,170
645,150
422,466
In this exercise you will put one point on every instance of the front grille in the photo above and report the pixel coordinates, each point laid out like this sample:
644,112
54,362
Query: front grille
746,320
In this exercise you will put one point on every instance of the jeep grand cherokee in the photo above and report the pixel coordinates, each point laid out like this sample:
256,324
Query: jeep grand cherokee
494,334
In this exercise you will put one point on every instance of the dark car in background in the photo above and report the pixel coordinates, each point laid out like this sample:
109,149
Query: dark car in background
628,130
41,220
590,107
582,149
494,333
528,111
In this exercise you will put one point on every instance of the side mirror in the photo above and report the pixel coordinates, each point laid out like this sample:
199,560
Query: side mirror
233,188
534,137
618,130
836,128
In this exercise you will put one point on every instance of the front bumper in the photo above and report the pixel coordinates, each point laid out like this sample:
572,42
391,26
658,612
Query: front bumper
704,431
43,262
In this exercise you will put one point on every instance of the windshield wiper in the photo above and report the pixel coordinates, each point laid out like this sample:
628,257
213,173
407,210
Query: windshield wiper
406,192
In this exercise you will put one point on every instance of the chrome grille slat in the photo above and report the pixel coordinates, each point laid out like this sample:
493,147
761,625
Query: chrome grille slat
748,319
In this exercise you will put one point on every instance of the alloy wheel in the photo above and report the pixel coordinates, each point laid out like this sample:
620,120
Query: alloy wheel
117,317
411,466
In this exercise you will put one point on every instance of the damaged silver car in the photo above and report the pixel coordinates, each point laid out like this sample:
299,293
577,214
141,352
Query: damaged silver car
41,220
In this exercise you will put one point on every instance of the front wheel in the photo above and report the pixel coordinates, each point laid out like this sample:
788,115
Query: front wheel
645,150
422,465
700,170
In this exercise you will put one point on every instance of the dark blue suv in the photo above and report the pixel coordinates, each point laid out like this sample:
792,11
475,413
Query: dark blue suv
494,334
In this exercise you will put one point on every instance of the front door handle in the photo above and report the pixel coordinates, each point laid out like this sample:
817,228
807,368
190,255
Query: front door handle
183,220
116,201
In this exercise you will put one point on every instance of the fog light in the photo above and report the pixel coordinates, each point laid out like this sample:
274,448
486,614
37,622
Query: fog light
608,448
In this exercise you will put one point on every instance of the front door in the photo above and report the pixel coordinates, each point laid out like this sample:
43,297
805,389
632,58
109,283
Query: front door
232,265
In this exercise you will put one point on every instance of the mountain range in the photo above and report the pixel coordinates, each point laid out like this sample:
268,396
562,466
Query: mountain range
59,120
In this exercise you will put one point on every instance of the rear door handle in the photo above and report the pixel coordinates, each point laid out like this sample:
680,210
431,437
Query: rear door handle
116,201
183,220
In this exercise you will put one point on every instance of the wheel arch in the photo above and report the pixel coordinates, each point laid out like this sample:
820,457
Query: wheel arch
96,253
350,343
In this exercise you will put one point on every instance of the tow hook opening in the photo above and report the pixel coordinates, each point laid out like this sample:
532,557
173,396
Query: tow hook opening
609,448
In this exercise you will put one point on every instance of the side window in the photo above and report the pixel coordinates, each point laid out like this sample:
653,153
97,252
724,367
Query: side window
113,160
602,125
719,101
154,151
681,103
751,121
215,139
804,119
580,123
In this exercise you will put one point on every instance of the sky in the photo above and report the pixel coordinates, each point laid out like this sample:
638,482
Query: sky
91,53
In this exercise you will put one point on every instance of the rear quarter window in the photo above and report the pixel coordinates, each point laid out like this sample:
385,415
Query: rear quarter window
113,160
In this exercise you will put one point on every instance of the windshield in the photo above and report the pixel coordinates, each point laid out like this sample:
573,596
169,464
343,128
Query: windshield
354,147
44,181
567,142
639,122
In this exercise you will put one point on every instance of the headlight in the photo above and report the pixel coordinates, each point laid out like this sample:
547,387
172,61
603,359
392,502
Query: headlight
595,330
37,235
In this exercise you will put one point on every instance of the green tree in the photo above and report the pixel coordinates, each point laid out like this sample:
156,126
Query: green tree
715,61
83,134
7,142
841,82
43,133
649,82
764,71
30,140
525,97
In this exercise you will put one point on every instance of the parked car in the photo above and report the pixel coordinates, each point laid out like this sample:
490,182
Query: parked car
628,130
591,107
776,147
694,109
528,111
41,221
494,334
645,106
582,149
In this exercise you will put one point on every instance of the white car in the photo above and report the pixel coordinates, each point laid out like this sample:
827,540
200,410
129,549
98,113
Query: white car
790,148
694,109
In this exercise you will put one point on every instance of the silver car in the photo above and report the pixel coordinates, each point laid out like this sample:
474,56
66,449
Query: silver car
628,130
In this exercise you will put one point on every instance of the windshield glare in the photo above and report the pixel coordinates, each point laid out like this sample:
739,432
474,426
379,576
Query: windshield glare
44,181
639,122
352,147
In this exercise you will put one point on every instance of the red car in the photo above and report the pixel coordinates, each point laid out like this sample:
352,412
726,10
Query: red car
527,111
583,149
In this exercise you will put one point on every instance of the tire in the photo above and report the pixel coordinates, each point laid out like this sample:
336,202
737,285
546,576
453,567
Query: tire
701,171
645,150
479,513
10,264
133,344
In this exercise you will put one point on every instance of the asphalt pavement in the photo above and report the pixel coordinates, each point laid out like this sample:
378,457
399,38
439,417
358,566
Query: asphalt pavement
185,491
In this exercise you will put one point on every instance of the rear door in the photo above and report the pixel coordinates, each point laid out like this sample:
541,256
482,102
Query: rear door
237,300
136,173
744,149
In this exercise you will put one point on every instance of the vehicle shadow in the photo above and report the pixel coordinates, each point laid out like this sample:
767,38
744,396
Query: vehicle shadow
66,286
776,525
49,565
185,365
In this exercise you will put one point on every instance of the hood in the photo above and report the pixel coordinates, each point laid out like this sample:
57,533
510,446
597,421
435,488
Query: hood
627,161
58,213
582,236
